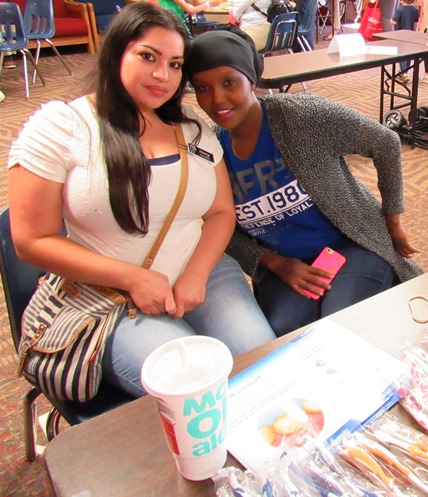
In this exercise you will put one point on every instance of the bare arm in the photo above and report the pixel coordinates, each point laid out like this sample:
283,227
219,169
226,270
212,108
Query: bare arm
219,223
211,3
190,8
240,7
36,216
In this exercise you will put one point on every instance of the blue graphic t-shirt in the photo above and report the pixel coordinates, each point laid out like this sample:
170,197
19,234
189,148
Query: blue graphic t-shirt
271,205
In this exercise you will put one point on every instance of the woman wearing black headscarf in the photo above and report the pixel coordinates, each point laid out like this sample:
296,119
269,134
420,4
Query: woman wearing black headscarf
294,192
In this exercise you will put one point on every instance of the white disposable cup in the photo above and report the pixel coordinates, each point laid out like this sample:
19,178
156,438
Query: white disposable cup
188,378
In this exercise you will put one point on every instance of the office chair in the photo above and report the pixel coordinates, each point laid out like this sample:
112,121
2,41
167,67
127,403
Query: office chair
19,282
14,39
282,34
40,25
306,25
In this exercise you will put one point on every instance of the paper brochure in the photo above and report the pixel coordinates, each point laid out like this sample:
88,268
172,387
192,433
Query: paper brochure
354,44
314,384
381,50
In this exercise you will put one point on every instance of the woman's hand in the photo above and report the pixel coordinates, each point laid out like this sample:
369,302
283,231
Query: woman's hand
218,225
152,293
296,274
399,238
189,291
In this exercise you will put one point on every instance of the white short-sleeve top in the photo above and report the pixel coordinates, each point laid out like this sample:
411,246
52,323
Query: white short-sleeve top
61,143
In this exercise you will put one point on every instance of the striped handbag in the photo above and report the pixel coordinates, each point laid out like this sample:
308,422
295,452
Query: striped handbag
65,329
66,325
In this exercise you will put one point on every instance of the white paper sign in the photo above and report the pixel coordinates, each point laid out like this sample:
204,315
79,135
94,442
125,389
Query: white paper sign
354,44
347,44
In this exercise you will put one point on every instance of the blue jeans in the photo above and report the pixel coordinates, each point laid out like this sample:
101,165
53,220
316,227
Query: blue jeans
229,313
404,66
365,274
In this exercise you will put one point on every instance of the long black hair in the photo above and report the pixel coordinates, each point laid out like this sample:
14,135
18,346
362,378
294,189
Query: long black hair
121,123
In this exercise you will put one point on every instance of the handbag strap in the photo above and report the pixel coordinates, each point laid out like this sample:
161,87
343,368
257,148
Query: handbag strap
148,261
182,148
254,6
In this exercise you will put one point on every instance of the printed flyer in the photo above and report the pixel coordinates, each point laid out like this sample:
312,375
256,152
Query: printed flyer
314,385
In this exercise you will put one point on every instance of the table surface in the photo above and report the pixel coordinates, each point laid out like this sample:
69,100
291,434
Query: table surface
282,70
405,35
123,453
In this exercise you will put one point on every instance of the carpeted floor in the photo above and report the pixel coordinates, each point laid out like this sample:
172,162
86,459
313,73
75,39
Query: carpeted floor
360,90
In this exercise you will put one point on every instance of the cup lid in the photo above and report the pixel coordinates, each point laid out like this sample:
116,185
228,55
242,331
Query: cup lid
184,365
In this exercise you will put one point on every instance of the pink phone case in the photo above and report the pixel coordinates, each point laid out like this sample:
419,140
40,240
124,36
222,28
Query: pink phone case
328,260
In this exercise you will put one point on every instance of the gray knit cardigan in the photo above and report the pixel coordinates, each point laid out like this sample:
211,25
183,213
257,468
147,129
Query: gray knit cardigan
313,135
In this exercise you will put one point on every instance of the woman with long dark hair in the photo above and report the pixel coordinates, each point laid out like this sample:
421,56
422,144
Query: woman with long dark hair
108,164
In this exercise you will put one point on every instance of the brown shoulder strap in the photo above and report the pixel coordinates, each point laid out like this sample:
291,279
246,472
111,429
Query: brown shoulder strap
148,261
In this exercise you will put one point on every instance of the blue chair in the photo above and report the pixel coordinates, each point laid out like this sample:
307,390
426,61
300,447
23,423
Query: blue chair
200,24
40,25
15,39
281,38
197,23
19,282
101,14
282,34
305,31
104,11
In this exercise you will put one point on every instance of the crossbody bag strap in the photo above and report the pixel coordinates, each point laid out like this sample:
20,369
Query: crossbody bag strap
182,148
258,10
148,261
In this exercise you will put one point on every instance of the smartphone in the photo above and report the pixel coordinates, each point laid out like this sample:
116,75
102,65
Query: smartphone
328,260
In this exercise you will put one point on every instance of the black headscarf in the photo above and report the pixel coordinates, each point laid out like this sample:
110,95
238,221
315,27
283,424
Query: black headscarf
224,48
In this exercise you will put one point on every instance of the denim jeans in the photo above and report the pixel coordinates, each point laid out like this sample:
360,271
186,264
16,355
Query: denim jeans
365,274
404,66
229,313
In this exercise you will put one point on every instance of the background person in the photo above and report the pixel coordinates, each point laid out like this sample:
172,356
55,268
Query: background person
334,9
181,7
109,164
406,16
423,26
307,9
387,8
251,20
8,60
294,192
